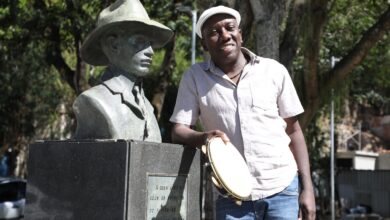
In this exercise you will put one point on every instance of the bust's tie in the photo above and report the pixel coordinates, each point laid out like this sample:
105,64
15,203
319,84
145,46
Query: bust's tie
140,100
137,92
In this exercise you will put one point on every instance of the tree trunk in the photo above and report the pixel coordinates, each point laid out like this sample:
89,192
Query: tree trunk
315,21
164,78
288,47
342,69
245,9
266,14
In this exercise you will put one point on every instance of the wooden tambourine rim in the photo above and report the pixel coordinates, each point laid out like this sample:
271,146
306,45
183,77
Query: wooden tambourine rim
218,176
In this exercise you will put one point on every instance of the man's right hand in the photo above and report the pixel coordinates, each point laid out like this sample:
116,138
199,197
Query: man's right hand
184,134
216,133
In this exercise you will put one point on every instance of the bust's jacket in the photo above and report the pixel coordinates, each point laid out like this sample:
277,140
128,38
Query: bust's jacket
109,111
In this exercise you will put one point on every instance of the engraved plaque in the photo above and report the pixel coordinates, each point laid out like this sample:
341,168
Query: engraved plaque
166,197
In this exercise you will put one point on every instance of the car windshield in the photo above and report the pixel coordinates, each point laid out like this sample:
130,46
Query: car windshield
12,189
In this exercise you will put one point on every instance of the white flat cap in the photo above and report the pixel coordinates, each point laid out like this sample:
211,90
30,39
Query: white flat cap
213,11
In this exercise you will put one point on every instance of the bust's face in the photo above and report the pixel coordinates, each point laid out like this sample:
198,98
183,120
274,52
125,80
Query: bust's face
135,54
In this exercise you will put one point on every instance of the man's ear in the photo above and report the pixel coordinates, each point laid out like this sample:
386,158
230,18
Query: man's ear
113,44
203,45
242,41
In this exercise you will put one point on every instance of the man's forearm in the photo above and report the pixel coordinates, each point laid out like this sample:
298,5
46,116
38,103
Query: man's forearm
183,134
299,150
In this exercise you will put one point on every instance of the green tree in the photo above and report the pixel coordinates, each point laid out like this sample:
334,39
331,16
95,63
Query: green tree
40,69
41,66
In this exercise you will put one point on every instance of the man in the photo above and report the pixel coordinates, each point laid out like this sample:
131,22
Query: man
117,108
251,102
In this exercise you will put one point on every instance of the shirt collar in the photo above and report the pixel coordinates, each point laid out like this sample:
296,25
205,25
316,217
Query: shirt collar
119,81
124,86
113,71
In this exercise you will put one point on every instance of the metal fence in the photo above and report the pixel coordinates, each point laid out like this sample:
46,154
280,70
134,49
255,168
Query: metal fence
365,187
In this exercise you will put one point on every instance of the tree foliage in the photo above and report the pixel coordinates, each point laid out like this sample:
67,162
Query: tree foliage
40,65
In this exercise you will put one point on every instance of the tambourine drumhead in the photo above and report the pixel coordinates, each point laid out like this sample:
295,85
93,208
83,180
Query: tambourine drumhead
230,168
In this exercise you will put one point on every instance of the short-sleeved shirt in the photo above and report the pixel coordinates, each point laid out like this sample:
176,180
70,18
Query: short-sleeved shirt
251,113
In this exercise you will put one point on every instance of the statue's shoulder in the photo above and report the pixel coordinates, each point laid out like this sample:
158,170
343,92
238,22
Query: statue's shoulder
97,92
95,99
92,108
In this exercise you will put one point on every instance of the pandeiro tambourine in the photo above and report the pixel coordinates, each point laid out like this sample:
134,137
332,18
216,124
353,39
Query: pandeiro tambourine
230,171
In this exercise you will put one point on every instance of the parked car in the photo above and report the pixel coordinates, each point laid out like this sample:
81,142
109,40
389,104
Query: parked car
12,197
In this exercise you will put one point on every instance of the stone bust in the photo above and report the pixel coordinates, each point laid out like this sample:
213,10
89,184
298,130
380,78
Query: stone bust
117,108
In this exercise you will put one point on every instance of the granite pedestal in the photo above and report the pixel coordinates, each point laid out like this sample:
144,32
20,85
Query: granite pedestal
114,179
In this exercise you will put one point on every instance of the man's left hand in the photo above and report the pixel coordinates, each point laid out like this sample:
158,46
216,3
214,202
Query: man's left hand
307,205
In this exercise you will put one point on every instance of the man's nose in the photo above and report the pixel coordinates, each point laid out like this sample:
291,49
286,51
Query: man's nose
149,51
225,35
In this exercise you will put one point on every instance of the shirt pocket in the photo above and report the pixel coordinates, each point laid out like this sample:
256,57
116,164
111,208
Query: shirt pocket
263,100
262,103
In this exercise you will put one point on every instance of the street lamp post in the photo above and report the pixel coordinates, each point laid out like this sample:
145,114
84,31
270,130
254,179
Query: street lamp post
332,167
193,43
193,14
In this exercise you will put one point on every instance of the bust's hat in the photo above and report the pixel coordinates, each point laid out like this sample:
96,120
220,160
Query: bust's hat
127,15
